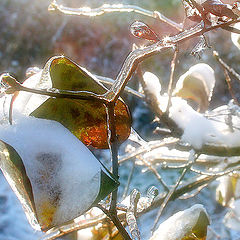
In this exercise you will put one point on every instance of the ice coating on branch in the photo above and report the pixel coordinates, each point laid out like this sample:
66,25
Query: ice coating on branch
64,174
26,102
180,224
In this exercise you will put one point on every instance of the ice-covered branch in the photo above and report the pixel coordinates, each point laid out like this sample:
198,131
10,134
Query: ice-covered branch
108,8
191,160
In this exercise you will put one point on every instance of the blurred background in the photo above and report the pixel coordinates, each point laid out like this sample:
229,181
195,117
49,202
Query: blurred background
30,35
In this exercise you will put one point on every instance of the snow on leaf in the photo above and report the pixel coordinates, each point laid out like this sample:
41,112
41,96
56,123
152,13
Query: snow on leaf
200,130
152,83
86,119
184,225
197,84
65,176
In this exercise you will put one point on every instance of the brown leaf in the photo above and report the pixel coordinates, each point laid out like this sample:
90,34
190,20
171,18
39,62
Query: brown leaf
86,119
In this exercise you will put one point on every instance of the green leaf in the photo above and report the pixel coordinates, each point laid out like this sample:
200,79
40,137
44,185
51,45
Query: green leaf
107,185
86,119
200,228
13,169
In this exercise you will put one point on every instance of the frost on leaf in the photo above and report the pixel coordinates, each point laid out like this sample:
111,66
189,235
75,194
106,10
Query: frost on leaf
65,176
86,119
185,225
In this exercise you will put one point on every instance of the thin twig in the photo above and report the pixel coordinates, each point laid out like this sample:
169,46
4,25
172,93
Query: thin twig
227,69
108,8
229,84
129,180
171,85
192,159
109,82
187,195
219,173
225,65
57,93
148,147
155,172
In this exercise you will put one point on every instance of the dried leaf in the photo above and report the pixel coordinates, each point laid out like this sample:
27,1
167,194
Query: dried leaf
86,119
218,8
191,12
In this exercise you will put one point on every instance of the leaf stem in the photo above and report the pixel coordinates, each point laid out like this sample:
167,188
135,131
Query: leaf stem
113,146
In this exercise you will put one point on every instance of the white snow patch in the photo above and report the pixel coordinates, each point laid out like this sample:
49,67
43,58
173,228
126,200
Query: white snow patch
179,225
198,129
152,83
72,173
